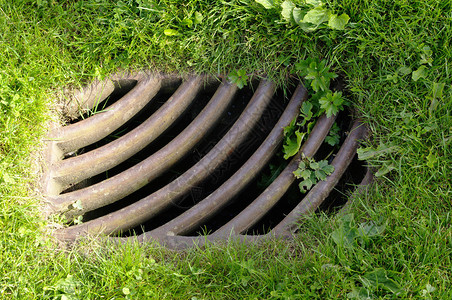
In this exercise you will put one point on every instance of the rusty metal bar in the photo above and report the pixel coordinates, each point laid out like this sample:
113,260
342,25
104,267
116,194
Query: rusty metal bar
209,206
151,205
95,128
261,205
323,188
77,168
134,178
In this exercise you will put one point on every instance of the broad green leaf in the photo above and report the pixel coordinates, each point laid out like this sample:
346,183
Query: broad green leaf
345,235
331,103
305,185
289,129
369,152
317,16
171,32
404,70
238,77
320,174
302,173
360,293
187,22
287,8
306,112
315,2
268,4
328,169
338,22
293,144
419,73
384,170
198,18
438,88
302,66
379,278
370,229
314,165
302,165
298,15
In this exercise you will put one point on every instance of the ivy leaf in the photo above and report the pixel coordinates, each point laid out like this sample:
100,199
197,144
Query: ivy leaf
317,16
419,73
293,144
287,9
338,22
268,4
170,32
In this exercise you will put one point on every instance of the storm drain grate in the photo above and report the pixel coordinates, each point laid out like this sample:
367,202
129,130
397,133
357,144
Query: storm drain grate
167,159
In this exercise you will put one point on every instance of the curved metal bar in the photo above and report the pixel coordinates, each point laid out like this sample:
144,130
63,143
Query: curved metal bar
149,206
97,127
362,187
77,168
323,188
134,178
182,242
207,208
262,204
90,96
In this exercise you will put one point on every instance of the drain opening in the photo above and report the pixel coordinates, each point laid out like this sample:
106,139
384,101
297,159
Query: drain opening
207,138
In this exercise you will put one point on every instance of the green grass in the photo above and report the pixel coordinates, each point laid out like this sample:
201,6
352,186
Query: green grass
48,45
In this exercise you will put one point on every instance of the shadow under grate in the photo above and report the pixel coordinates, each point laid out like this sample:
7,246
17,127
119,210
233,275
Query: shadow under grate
168,159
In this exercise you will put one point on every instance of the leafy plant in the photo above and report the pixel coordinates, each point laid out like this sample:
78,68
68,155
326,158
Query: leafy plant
333,136
317,72
310,17
238,77
332,103
323,101
311,172
292,143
